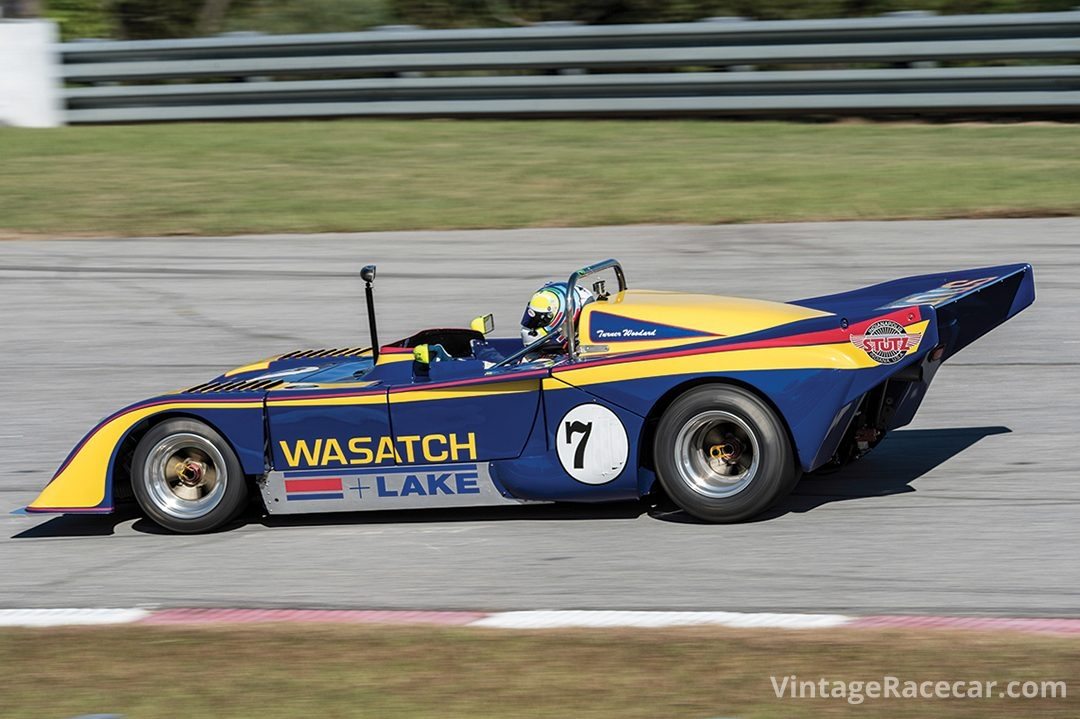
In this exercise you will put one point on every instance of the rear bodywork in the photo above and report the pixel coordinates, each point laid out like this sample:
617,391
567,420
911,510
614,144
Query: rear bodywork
331,430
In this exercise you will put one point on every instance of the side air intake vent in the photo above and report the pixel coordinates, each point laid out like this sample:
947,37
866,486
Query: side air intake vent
242,385
336,352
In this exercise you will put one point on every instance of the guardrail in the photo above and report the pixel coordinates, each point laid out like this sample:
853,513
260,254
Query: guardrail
889,64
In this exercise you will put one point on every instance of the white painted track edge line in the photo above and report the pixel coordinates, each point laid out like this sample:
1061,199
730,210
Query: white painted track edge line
69,617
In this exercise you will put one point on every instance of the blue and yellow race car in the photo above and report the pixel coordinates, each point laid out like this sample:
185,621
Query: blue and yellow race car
722,403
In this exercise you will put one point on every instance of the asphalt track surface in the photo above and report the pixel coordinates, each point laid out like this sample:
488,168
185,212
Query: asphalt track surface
974,509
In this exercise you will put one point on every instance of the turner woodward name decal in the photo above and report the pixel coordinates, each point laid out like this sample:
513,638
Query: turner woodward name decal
616,334
606,327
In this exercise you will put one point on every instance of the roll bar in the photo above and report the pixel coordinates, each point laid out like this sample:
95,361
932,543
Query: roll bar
571,298
568,327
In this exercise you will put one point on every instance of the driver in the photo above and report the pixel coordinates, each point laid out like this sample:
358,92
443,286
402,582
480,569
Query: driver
545,314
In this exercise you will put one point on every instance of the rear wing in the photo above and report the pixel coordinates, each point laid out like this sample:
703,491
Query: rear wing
966,303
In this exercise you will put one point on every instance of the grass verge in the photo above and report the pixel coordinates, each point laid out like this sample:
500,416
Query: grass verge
386,175
390,672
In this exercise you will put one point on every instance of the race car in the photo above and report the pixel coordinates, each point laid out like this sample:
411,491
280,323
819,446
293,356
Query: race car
720,403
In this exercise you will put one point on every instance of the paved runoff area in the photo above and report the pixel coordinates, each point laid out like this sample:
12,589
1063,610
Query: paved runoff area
972,510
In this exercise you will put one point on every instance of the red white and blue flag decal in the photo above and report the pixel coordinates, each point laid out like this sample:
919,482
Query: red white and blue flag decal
315,488
466,484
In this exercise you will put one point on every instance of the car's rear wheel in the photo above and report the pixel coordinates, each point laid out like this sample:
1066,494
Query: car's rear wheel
722,454
187,478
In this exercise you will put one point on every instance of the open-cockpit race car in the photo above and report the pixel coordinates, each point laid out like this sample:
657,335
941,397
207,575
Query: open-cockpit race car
722,403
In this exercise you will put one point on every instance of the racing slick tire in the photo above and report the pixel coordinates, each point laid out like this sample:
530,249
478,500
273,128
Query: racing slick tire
187,478
722,454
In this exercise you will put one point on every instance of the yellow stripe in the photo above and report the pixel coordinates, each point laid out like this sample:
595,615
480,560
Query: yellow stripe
918,328
418,395
253,367
841,355
265,364
550,384
295,386
82,483
837,356
392,358
465,391
347,400
707,314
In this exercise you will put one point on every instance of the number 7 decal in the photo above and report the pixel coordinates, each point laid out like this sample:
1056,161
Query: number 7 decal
585,428
596,428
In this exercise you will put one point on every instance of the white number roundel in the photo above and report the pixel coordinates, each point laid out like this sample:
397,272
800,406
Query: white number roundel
592,444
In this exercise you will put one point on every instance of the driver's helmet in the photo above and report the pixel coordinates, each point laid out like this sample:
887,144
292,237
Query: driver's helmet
546,312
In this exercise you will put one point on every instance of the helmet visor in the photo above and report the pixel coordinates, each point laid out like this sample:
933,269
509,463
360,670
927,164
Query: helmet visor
532,319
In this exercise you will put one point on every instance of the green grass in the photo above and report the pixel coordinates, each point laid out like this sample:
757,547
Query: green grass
386,175
395,672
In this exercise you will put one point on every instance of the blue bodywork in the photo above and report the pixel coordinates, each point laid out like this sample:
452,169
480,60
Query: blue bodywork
326,409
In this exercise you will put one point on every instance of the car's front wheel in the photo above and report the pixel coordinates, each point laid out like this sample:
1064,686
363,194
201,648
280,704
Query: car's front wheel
187,478
722,454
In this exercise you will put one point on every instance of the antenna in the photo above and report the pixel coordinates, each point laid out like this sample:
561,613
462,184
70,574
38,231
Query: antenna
368,276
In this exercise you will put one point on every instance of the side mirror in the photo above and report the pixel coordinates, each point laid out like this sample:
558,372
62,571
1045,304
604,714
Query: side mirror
367,274
485,324
421,354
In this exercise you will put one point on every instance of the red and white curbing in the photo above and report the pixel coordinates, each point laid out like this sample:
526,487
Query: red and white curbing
538,619
564,619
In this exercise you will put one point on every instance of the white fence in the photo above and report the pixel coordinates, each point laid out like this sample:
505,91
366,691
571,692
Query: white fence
29,74
1025,64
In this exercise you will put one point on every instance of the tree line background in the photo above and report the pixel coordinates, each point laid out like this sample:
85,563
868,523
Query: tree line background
143,19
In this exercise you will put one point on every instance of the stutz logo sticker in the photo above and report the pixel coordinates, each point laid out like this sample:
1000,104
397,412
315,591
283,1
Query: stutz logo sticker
886,341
